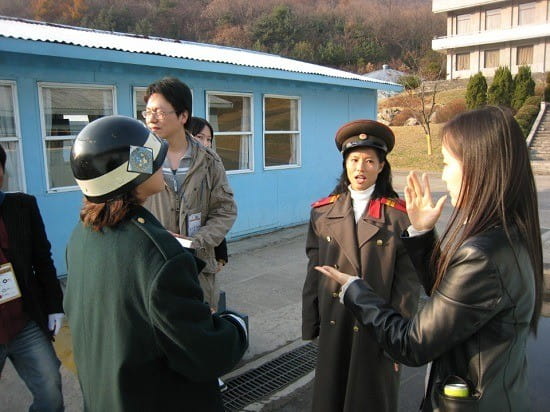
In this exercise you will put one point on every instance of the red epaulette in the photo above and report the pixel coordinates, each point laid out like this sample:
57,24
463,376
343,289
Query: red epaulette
398,204
325,201
375,206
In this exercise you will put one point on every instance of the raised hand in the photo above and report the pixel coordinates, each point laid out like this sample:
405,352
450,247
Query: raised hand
422,212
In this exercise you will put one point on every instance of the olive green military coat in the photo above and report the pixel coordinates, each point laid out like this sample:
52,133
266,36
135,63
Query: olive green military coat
353,373
143,339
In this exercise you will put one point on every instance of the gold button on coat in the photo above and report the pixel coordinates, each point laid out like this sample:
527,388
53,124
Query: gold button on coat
328,238
379,242
356,328
332,322
141,220
334,294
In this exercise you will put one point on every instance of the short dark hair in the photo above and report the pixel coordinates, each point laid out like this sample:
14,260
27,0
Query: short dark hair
197,124
176,92
2,157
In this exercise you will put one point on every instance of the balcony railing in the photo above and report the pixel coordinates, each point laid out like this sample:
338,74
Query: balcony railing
526,32
439,6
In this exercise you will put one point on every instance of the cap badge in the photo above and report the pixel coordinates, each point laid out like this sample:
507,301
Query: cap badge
140,160
362,136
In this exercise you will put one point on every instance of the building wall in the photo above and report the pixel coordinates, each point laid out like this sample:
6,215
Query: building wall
506,44
507,57
266,199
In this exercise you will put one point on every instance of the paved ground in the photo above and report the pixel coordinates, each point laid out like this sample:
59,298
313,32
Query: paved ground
264,279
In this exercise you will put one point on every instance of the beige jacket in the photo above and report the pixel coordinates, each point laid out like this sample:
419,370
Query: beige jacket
205,191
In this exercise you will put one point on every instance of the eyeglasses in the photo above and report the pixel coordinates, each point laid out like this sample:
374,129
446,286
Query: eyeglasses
159,114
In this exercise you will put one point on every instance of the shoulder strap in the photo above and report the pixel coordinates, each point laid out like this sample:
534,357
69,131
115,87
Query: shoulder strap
396,203
325,201
375,206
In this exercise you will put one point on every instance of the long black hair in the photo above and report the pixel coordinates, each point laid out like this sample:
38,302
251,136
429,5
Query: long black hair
498,188
383,186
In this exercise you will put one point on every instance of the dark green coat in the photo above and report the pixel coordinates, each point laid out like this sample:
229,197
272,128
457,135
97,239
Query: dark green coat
143,339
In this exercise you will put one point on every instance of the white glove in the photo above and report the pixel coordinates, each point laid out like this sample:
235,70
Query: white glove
54,322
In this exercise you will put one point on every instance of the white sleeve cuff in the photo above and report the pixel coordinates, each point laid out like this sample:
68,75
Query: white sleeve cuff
413,232
345,287
240,321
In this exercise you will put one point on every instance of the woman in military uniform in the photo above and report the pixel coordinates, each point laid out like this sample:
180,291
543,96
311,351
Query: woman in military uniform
357,229
484,275
143,338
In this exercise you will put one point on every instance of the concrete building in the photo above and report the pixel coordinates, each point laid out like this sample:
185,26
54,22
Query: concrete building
274,118
485,34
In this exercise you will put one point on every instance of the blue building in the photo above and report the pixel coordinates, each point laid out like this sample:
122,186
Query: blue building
274,117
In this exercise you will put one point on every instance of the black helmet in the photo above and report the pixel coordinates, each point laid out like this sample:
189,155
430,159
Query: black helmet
114,154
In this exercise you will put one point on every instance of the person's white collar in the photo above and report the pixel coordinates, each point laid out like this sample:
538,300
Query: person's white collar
360,200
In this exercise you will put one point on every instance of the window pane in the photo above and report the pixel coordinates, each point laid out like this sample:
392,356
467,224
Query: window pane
229,113
13,179
463,61
463,24
7,115
68,110
280,149
492,19
57,157
140,104
233,150
526,13
525,55
492,58
280,114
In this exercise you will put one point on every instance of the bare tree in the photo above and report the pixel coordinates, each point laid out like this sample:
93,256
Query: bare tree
420,99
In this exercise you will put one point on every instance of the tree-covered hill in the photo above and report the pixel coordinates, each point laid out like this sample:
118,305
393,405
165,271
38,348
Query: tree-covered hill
354,35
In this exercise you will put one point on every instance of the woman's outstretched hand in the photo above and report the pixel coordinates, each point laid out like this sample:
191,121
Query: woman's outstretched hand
420,206
335,274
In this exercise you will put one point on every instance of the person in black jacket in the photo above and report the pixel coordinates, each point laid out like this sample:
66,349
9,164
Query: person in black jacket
483,276
31,309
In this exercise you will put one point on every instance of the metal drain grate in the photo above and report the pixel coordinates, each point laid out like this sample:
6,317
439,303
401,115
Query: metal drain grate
272,376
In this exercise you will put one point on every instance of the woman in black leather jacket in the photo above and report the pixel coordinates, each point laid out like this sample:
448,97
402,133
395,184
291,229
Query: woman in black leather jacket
483,275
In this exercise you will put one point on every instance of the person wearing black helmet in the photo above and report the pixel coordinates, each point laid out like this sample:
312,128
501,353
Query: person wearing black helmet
143,339
358,228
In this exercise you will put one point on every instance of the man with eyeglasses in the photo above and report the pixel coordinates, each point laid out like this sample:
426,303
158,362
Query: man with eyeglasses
197,204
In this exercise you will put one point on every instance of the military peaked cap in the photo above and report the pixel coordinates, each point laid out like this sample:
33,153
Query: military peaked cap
364,133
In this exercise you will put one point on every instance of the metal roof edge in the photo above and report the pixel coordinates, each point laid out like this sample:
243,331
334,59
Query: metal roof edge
105,53
150,59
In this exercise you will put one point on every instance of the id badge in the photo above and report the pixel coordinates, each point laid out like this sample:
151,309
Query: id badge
193,224
9,289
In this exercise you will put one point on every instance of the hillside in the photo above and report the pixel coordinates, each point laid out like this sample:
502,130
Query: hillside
354,35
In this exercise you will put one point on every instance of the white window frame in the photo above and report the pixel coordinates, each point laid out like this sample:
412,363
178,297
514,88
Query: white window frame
298,132
17,138
221,134
136,89
46,138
